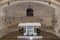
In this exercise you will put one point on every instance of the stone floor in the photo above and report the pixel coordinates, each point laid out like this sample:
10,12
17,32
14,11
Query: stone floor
13,36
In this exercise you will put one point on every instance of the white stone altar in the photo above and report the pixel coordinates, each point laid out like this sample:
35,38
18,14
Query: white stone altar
29,28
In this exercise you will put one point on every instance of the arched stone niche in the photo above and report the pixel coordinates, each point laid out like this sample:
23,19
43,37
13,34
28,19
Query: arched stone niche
42,11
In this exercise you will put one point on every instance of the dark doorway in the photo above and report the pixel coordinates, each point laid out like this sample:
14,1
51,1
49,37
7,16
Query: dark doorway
29,12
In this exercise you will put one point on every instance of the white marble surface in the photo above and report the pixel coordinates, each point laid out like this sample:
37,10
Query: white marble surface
33,37
29,24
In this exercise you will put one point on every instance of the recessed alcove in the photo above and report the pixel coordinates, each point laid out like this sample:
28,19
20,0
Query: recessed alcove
43,13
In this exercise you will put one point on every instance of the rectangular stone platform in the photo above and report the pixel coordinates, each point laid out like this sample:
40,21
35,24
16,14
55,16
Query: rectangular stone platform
30,37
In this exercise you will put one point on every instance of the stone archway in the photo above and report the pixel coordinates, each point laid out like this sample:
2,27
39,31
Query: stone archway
17,11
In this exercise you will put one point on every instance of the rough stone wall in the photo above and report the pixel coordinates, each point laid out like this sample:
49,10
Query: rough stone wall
17,13
19,10
57,27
